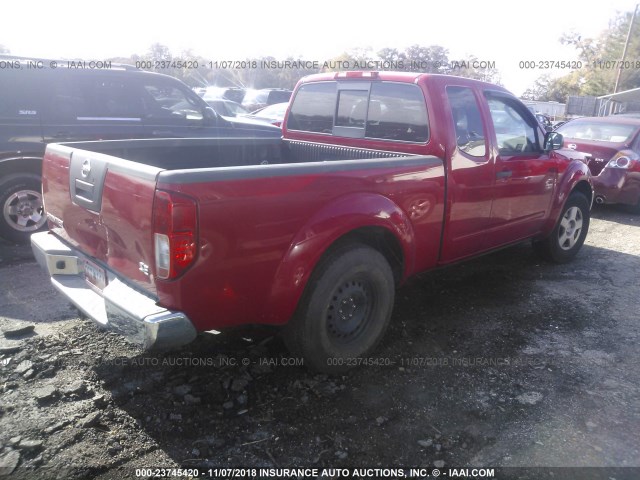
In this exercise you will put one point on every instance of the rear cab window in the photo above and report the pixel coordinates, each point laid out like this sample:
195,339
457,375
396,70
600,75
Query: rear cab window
356,109
313,108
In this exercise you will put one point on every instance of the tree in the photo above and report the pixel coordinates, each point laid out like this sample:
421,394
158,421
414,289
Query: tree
344,61
392,56
548,89
355,59
157,51
435,59
186,66
600,59
267,72
414,59
472,67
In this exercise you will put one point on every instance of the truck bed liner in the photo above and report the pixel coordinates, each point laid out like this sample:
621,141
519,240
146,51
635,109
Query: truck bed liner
192,153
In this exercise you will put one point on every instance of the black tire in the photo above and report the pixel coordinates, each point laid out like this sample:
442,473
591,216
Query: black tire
21,210
570,231
344,311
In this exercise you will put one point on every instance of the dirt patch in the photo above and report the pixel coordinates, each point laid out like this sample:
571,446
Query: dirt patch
504,361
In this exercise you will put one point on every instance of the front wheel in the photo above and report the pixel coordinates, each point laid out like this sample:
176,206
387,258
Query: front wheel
569,234
344,311
22,208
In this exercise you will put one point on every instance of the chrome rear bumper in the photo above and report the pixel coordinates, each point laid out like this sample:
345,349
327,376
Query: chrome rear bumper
118,306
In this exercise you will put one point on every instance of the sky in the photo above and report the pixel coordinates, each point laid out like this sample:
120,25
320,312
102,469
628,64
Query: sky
506,33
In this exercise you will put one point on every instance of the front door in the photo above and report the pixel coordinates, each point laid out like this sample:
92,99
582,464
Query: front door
525,175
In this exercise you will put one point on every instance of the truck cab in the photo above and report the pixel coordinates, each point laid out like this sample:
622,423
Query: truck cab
502,177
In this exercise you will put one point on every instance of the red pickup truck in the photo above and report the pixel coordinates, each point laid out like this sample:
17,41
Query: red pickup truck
378,176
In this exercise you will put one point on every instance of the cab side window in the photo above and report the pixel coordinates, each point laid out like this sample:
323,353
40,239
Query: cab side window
467,121
516,134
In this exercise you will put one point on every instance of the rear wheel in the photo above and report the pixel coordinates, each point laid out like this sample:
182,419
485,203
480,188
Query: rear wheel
569,234
345,310
22,208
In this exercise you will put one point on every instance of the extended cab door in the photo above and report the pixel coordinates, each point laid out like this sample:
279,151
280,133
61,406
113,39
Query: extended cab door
470,178
525,175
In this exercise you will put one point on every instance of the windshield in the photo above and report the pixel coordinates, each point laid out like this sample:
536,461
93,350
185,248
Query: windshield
236,108
597,131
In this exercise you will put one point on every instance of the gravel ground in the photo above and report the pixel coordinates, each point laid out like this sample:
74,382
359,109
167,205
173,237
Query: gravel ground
505,361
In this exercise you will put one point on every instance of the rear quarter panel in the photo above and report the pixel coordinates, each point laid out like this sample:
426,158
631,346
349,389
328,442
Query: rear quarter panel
261,235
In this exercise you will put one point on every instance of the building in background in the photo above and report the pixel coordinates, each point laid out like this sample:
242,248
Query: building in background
554,110
612,104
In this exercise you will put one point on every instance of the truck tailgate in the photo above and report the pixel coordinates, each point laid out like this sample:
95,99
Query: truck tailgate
102,205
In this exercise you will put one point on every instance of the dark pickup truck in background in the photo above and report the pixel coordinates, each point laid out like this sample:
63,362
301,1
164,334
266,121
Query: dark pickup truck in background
379,176
40,105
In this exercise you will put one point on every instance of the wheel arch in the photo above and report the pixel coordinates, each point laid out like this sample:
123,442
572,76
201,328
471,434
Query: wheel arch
20,164
575,178
380,239
566,239
367,219
585,188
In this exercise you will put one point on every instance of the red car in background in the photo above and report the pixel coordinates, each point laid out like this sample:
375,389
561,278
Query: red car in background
610,146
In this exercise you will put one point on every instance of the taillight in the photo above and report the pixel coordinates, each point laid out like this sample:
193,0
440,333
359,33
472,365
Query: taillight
174,233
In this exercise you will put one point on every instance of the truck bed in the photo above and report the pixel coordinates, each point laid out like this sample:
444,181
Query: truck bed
266,210
192,153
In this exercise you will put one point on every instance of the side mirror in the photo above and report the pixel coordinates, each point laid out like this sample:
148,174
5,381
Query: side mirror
210,116
553,141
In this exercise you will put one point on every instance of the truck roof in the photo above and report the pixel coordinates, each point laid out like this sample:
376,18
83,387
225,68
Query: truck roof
406,77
